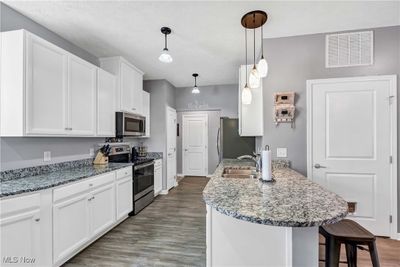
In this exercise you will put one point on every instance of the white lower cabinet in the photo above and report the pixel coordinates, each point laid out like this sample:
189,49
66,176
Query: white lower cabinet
20,231
49,227
157,176
82,212
102,208
70,226
124,196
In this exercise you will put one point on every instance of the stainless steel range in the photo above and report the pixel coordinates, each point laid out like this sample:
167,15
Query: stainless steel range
143,183
143,175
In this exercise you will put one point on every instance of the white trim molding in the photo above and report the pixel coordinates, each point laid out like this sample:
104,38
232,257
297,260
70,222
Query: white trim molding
392,79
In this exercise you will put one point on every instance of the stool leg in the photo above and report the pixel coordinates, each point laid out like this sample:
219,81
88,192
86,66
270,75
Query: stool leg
351,257
373,252
332,252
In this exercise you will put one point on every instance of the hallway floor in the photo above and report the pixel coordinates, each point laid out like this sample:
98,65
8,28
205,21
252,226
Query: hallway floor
172,232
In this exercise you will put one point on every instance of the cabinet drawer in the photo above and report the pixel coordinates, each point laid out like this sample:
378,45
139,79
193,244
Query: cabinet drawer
102,180
19,203
83,186
124,173
70,190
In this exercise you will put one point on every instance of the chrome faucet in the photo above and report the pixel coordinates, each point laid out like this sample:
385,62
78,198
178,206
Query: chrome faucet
256,158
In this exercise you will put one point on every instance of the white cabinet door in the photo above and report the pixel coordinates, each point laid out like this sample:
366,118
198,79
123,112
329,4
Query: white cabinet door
146,111
20,239
124,196
81,96
102,208
127,84
106,103
46,72
157,176
70,226
137,100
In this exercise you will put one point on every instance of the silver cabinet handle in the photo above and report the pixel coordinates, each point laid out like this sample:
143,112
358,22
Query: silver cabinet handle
37,220
90,184
317,166
68,129
186,149
91,198
133,108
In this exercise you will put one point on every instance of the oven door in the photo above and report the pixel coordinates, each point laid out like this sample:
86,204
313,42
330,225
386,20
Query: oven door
134,125
143,180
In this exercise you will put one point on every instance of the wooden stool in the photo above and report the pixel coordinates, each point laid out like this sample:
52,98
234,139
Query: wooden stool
353,236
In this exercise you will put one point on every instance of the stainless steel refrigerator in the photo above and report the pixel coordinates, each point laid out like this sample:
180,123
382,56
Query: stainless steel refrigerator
230,144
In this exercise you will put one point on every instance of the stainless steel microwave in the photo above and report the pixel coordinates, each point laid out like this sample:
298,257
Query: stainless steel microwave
128,124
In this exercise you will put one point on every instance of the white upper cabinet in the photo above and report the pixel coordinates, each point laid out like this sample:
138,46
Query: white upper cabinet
106,102
146,111
129,84
81,96
251,117
45,90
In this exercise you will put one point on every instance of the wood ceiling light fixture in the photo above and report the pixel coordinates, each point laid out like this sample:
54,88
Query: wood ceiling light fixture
254,19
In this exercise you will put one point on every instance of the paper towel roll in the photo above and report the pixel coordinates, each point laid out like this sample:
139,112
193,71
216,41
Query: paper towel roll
266,158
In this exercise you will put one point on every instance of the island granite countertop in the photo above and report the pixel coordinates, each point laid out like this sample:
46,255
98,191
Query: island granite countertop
291,201
55,177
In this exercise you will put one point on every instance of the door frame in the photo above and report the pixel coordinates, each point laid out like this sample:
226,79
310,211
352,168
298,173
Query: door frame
392,79
167,110
193,114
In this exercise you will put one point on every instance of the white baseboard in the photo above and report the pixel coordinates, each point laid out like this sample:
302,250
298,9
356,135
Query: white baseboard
164,192
398,236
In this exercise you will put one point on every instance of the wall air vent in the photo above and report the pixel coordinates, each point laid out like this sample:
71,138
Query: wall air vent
349,49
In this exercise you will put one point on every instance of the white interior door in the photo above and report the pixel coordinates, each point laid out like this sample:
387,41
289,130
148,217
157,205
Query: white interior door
195,144
171,147
350,133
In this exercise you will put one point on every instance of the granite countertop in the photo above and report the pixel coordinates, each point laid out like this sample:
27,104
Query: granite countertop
54,178
291,201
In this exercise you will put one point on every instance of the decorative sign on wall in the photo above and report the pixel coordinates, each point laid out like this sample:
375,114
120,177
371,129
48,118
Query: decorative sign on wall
284,108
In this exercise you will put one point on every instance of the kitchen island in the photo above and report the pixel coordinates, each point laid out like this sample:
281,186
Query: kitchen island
250,223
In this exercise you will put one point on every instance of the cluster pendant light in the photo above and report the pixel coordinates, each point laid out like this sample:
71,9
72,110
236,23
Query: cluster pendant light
165,57
195,89
251,21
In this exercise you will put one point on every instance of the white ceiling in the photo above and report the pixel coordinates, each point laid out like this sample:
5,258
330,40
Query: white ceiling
207,36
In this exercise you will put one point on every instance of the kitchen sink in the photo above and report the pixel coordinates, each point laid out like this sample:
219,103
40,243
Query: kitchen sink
239,172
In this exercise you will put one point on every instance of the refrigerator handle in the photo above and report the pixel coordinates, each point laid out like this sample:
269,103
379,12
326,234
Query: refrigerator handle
218,133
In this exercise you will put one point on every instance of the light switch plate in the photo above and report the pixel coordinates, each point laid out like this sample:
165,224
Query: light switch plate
47,156
281,152
91,152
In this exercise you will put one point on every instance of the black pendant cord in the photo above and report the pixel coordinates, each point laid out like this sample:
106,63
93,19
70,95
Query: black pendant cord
165,48
195,81
245,45
262,43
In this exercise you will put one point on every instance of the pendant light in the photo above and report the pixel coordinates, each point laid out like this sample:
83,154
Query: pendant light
195,89
165,57
253,20
246,92
254,77
262,64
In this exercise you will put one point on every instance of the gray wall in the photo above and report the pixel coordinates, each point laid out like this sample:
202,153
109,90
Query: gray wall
26,152
213,126
13,20
162,94
292,61
222,97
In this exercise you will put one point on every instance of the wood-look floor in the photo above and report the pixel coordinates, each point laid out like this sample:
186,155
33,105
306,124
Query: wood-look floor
172,232
169,232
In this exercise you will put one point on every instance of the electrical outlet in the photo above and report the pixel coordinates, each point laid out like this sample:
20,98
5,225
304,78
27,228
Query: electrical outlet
47,156
91,152
281,152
